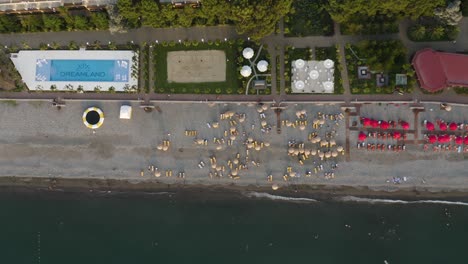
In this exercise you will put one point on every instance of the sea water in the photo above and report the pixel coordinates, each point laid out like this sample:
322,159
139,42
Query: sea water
254,228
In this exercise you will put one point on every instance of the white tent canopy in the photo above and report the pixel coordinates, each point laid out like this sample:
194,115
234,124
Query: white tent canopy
246,71
328,86
262,66
328,63
248,53
299,63
314,74
125,112
299,85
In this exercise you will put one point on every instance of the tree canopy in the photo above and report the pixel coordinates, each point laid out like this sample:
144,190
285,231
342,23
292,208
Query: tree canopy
348,10
255,19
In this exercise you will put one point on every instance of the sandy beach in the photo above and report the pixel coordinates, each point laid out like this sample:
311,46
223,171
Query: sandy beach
39,143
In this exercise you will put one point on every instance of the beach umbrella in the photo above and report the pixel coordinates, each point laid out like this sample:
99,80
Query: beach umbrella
267,144
405,125
303,111
302,127
299,63
362,136
334,154
248,53
257,148
465,141
432,139
366,121
443,126
327,154
299,85
259,109
291,150
374,123
453,126
430,126
246,71
234,173
459,140
313,152
317,139
332,142
159,147
265,107
264,123
314,74
232,137
157,174
235,161
384,125
275,187
328,63
397,135
262,66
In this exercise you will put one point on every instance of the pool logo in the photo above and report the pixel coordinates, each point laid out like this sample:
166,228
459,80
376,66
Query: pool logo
82,70
83,67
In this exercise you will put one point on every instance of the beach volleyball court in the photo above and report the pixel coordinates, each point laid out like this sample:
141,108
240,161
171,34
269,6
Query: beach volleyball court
196,66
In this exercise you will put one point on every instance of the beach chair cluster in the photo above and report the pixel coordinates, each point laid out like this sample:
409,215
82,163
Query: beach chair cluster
381,147
446,142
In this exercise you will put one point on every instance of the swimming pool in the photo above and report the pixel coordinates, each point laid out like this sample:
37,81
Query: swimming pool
82,70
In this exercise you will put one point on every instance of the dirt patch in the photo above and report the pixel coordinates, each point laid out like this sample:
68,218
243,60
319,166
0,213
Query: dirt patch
196,66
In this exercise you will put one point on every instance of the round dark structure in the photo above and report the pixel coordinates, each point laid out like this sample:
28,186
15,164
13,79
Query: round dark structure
93,117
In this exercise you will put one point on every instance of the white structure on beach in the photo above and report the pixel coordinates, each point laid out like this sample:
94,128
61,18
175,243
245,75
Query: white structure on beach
77,70
312,76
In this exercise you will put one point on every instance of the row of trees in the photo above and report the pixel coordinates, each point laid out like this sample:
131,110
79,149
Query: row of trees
62,20
252,18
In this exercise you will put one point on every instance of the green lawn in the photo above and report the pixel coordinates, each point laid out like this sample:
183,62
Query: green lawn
234,84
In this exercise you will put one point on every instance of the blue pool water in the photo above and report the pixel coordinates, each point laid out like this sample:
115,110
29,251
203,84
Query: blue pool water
82,70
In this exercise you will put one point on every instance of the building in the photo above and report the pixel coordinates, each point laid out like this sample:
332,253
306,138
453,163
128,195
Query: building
77,70
438,70
34,6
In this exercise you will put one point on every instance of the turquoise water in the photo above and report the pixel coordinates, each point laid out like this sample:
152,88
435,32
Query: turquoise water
82,70
40,228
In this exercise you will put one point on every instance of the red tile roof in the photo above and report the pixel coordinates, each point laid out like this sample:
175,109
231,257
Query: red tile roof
437,70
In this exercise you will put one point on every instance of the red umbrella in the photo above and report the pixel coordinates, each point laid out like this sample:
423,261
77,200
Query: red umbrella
366,121
465,141
429,126
453,126
397,135
443,139
384,125
374,123
405,125
443,126
459,140
362,136
432,139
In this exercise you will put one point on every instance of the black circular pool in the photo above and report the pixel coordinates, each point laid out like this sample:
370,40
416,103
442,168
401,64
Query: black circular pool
92,117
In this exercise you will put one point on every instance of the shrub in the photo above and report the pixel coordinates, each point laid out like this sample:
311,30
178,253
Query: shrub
218,90
229,91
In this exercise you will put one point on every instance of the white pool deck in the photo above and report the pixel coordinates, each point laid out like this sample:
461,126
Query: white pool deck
26,61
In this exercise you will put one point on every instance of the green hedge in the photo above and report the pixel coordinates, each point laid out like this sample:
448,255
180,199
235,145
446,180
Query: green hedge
370,26
64,19
432,30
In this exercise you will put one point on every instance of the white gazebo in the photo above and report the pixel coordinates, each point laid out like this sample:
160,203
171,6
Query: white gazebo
125,112
299,85
299,63
314,74
328,86
328,63
262,66
248,53
246,71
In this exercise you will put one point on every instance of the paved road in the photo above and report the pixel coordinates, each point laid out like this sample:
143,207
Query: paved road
276,44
